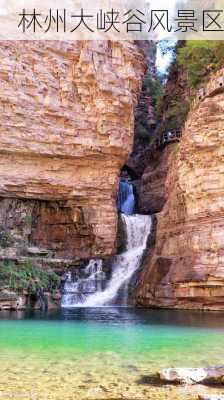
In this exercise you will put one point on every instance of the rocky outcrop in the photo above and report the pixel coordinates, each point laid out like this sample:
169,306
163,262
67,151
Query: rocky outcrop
11,301
151,196
145,117
174,105
14,301
186,269
67,121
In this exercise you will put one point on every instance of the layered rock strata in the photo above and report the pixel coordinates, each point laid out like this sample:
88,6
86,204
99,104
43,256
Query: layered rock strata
186,269
67,121
151,195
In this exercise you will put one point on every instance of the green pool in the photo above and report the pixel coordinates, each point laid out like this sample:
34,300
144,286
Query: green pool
108,353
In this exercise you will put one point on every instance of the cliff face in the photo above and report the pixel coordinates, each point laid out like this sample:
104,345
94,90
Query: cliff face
67,120
145,118
186,267
151,195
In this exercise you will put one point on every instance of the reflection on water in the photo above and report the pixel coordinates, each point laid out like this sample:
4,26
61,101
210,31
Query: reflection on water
121,315
104,353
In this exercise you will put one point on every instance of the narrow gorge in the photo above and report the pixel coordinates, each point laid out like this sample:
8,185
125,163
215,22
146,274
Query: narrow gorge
111,219
91,176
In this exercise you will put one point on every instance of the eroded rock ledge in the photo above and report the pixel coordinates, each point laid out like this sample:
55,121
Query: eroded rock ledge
186,269
67,119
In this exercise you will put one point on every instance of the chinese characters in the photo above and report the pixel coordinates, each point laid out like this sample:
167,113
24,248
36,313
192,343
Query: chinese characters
129,22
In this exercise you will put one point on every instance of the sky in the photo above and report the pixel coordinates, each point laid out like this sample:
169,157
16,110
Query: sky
163,61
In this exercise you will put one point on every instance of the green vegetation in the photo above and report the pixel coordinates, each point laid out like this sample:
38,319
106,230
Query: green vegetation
192,66
28,277
6,239
28,219
193,63
173,104
200,58
152,88
176,113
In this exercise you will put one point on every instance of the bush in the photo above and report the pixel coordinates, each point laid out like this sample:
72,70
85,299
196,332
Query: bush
177,113
26,276
152,88
200,58
6,239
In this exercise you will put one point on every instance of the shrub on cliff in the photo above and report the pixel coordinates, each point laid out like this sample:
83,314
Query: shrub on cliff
194,62
26,276
200,58
6,239
152,88
145,118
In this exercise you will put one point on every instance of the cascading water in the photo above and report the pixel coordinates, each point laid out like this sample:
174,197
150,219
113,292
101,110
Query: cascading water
82,284
92,290
126,199
89,287
124,265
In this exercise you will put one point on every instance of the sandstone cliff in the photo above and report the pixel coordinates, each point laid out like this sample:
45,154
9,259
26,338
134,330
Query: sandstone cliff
67,119
151,194
186,267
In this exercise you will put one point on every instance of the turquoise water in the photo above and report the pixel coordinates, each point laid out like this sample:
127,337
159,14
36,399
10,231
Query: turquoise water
81,350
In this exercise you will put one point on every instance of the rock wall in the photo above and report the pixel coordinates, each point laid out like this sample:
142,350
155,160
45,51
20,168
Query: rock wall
186,267
151,194
145,118
67,121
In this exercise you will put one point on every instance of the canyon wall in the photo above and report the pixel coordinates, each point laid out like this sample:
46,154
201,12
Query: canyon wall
67,121
185,269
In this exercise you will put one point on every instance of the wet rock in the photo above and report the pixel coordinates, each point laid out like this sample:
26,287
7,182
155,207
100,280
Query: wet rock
12,301
131,367
152,380
209,376
121,236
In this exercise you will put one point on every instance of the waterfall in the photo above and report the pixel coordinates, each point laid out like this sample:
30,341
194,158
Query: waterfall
126,199
92,289
79,286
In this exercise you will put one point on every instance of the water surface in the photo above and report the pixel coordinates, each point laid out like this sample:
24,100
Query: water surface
104,353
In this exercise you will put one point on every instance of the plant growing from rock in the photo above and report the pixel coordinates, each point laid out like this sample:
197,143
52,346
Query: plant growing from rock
27,277
200,58
6,239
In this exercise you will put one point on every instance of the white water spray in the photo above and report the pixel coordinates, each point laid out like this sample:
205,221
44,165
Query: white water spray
88,292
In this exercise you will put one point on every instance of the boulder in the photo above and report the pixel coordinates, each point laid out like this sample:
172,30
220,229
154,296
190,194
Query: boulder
209,376
211,397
